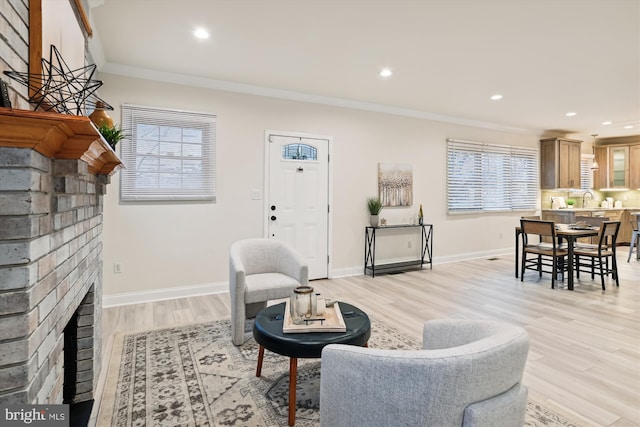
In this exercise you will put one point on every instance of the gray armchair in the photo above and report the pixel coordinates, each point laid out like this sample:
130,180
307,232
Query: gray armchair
468,374
261,270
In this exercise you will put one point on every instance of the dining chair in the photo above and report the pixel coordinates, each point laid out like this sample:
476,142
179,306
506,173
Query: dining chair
535,218
519,239
594,221
599,254
545,254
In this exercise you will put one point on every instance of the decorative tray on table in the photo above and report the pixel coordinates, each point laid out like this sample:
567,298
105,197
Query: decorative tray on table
330,321
580,226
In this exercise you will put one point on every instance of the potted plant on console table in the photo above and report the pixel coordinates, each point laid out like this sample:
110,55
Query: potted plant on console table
374,204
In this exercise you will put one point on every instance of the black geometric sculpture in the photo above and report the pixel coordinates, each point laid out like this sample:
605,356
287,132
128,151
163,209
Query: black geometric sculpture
63,90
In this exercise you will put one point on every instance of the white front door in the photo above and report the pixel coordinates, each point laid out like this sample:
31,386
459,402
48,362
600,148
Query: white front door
298,196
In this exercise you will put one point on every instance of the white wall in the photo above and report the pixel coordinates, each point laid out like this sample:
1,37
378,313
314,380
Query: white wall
172,245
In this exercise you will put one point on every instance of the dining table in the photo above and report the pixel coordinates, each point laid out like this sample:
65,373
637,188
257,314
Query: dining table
569,232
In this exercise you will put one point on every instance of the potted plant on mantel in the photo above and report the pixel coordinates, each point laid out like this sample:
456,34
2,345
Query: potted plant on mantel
107,128
111,134
374,204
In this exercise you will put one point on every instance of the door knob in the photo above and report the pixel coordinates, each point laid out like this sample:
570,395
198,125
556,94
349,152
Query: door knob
273,207
273,217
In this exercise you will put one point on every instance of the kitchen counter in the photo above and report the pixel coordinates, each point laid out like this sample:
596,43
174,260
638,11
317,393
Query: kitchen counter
568,216
594,209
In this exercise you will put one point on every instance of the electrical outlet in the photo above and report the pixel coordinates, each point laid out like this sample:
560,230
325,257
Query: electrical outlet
117,267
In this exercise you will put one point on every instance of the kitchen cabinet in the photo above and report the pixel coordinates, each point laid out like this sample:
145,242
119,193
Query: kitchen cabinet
559,163
559,217
565,217
601,175
619,166
634,166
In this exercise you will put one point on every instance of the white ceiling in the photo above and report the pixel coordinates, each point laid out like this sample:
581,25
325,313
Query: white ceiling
546,57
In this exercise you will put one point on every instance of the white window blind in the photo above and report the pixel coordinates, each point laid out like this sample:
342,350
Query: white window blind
586,173
487,177
168,154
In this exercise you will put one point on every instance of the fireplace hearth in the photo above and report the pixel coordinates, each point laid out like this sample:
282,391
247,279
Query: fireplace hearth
53,178
79,411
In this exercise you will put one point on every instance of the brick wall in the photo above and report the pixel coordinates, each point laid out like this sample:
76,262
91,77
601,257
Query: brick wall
50,266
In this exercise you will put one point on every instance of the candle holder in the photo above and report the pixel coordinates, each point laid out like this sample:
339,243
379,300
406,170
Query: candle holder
301,304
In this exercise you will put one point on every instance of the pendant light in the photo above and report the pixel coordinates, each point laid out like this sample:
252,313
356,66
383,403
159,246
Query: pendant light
594,166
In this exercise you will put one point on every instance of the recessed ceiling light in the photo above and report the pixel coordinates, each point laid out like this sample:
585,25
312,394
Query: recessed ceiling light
385,72
496,97
607,123
628,127
201,33
570,114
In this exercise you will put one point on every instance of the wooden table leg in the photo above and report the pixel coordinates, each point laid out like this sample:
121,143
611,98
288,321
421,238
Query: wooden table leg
260,356
293,374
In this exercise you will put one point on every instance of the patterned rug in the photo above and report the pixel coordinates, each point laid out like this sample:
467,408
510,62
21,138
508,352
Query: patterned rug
195,376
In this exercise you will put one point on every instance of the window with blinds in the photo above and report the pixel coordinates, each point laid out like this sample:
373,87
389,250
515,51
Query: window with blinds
485,177
168,154
586,173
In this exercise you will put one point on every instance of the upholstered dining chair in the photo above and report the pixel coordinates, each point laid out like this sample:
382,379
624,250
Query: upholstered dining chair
598,255
261,270
469,373
545,254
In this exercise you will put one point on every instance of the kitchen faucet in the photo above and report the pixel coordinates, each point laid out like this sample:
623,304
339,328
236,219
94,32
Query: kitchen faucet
585,193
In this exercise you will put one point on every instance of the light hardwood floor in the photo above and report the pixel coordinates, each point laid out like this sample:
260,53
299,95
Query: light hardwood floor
585,344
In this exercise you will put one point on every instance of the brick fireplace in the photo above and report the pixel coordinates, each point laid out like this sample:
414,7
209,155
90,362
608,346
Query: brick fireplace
54,170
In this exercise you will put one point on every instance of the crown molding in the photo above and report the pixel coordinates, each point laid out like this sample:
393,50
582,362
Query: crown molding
202,82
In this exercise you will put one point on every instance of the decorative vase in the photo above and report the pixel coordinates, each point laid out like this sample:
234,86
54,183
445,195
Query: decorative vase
374,220
100,117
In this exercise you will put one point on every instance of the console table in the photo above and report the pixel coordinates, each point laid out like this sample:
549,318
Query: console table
426,250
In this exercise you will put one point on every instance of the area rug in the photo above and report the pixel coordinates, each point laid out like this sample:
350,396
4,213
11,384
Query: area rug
195,376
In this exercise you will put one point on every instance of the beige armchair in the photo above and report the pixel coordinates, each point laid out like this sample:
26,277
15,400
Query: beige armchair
261,270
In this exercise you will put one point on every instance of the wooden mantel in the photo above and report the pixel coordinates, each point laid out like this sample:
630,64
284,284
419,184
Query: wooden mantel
58,136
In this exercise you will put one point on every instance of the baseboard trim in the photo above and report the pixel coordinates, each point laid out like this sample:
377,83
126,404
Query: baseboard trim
164,294
473,255
223,287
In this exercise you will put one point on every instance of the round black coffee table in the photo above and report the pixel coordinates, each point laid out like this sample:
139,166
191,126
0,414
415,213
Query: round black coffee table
267,331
